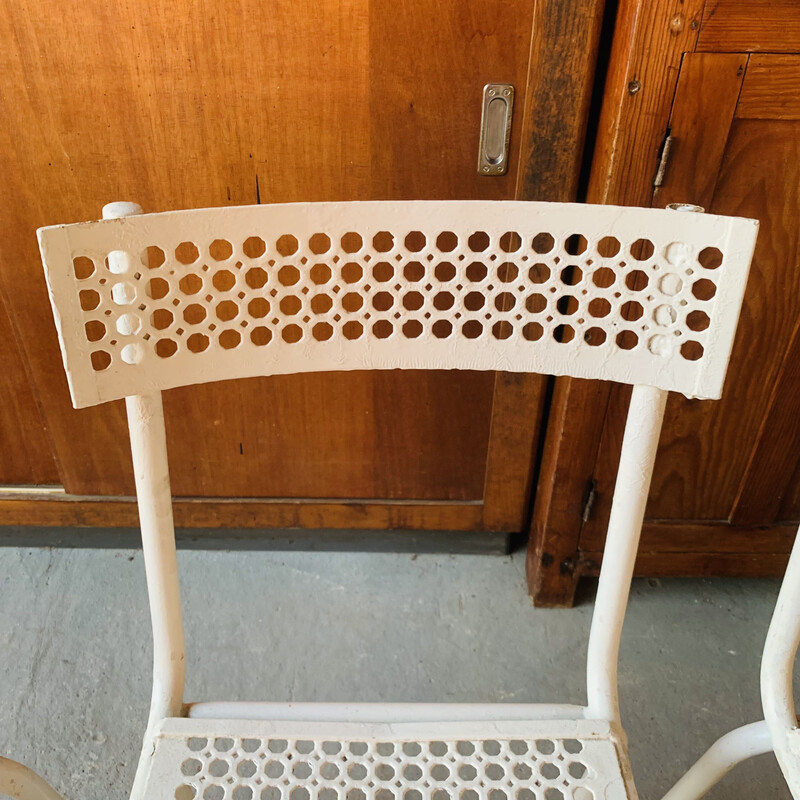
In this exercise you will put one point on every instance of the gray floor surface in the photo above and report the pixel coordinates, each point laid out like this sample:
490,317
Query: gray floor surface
75,651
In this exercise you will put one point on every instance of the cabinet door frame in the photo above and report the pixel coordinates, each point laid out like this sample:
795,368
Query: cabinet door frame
652,89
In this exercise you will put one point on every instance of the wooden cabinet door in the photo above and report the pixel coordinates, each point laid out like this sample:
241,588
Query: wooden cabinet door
725,496
187,105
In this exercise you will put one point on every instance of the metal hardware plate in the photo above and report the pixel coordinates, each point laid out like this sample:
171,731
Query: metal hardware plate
498,104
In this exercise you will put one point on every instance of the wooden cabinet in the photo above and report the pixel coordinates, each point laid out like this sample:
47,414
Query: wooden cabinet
724,497
178,105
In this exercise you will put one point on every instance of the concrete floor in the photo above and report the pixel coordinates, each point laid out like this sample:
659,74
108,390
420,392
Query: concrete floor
75,651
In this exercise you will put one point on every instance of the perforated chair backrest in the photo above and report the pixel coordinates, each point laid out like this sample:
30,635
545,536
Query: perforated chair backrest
154,301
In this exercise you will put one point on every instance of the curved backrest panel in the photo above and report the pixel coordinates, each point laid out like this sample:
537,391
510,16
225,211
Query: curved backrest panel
633,295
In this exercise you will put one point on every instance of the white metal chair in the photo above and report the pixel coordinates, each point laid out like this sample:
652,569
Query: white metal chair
144,303
779,731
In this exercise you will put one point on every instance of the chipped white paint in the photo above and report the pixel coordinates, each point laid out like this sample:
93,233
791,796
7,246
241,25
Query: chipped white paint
147,302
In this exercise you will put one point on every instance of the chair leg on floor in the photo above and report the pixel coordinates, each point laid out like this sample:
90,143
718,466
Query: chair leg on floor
729,750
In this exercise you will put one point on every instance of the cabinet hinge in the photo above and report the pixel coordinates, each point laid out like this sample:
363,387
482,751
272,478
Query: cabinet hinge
589,495
663,159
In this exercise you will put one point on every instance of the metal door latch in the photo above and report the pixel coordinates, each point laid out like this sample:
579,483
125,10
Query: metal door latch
498,103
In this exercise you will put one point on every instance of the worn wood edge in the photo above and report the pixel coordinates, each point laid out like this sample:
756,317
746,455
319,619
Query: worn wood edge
694,565
770,91
551,155
80,511
349,540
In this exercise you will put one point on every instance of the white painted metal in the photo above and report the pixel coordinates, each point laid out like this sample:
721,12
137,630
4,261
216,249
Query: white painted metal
496,760
21,783
777,664
639,446
729,750
382,712
149,302
539,287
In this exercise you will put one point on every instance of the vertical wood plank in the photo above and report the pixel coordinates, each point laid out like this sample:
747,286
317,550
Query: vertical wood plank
649,40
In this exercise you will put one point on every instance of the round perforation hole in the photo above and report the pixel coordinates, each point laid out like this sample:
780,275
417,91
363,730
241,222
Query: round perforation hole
254,247
161,319
446,242
505,301
412,329
352,272
594,337
627,340
383,241
100,360
229,339
187,253
382,329
227,310
260,336
507,272
631,310
256,278
319,243
89,299
197,343
571,275
697,320
636,280
322,331
190,284
478,241
352,330
224,280
502,329
472,329
352,242
95,330
604,277
536,303
258,307
476,272
320,274
575,245
692,350
539,273
383,271
704,289
352,302
608,247
412,301
220,250
382,301
543,243
286,245
289,275
567,305
157,288
165,348
415,241
442,328
444,271
642,249
83,267
474,301
290,305
599,307
414,271
710,258
153,257
563,333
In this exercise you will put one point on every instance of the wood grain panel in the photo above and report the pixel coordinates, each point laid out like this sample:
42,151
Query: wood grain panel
74,510
771,88
649,39
699,128
177,106
750,26
26,456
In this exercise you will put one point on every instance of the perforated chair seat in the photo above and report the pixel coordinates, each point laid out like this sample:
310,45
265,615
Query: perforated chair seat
486,760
